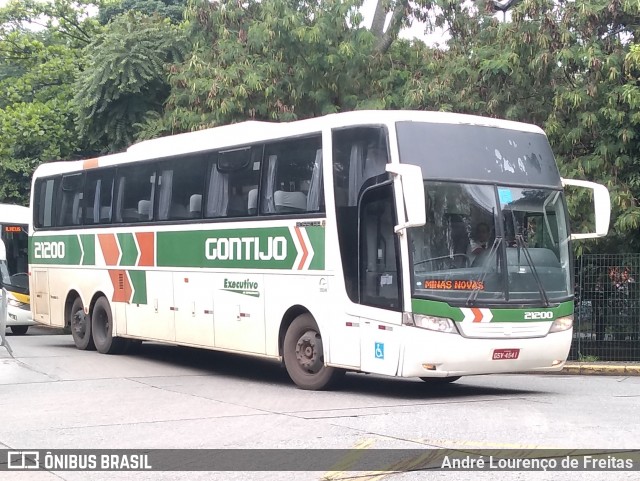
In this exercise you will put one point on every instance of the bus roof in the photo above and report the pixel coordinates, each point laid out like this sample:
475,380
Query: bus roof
248,132
14,214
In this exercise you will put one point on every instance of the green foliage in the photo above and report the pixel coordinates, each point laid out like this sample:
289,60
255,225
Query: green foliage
271,60
37,70
124,78
569,67
171,9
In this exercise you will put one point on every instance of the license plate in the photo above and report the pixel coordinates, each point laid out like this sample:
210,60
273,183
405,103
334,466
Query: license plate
499,354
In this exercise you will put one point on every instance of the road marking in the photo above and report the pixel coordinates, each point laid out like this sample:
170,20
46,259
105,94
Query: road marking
338,470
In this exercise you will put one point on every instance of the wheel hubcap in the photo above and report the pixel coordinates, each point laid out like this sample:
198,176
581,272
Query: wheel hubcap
79,323
309,352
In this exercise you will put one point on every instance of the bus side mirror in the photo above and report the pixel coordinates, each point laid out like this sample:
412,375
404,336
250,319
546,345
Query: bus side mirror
413,194
601,205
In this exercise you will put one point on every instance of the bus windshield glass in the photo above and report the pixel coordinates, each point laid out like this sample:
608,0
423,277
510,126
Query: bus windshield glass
491,243
16,242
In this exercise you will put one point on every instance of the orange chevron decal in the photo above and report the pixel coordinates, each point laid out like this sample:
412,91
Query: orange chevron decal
305,251
146,244
121,286
477,314
110,250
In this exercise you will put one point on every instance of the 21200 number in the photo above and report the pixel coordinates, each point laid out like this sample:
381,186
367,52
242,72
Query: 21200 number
538,315
48,250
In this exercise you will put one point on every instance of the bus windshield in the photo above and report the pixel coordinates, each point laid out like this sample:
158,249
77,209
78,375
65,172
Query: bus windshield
490,243
16,241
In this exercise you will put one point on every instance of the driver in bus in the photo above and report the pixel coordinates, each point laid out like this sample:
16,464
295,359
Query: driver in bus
480,240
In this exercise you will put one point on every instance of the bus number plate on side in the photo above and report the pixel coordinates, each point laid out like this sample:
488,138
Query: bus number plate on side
499,354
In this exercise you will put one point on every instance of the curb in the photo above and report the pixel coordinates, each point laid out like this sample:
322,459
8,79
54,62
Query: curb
601,369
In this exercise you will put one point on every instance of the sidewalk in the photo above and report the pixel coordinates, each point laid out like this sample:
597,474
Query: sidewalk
601,368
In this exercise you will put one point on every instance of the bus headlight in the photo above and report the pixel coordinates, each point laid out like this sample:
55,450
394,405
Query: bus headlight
562,324
433,323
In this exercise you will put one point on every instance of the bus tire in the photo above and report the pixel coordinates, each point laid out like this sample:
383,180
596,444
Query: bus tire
80,326
304,356
19,330
440,380
102,329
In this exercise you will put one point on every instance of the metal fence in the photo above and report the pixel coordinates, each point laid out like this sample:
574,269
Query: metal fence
607,313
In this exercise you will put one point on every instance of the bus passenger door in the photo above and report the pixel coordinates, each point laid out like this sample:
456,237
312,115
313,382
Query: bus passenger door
239,312
379,283
194,308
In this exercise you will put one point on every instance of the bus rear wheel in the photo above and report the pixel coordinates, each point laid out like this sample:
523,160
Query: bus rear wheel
304,355
102,329
440,380
19,330
80,325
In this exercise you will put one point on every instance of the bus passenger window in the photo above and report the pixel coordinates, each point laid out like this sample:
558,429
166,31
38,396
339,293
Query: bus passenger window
44,205
233,183
70,200
180,187
98,191
135,194
292,180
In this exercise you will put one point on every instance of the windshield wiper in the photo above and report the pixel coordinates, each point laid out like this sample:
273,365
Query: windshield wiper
494,247
527,255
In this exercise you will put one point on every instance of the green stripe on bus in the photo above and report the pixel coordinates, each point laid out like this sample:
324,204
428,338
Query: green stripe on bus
55,249
258,248
442,309
128,248
139,286
89,247
316,237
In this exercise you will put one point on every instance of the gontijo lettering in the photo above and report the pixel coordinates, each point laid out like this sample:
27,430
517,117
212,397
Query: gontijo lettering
246,248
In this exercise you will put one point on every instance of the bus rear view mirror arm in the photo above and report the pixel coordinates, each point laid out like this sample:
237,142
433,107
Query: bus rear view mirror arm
413,193
601,204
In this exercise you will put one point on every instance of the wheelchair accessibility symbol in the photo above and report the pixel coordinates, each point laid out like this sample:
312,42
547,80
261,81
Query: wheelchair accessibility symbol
379,350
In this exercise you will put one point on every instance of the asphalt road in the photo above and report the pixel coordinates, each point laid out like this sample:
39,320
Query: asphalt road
54,396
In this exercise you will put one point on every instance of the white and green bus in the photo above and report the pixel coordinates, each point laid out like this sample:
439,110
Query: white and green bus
347,242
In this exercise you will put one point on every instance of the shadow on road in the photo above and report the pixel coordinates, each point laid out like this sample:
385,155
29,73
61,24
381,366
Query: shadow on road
270,372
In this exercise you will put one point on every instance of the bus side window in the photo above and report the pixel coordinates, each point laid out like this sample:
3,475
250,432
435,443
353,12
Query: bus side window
98,193
292,180
69,200
44,205
135,194
233,178
180,187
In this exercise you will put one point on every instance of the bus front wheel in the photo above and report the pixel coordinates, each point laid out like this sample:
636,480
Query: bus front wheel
102,329
80,325
304,356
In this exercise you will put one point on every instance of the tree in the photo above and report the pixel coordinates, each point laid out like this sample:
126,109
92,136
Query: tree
279,60
125,78
569,67
37,70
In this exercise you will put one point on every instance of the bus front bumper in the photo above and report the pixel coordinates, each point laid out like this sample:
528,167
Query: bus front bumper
432,354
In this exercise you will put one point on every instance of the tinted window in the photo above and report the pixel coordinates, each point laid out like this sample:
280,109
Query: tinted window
69,200
478,153
233,191
44,202
180,188
135,188
359,158
359,154
293,177
98,193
